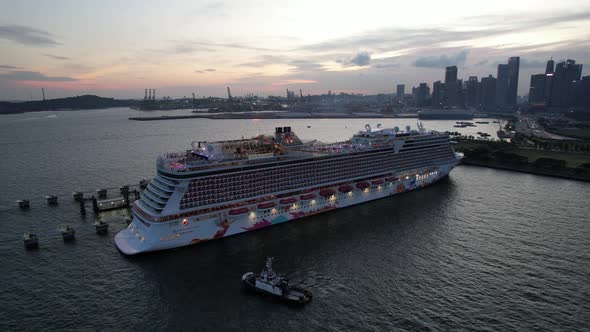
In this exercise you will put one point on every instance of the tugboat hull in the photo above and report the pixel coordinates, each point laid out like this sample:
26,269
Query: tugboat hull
291,295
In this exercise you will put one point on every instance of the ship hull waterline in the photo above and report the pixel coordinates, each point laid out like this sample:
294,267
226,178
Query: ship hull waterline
182,232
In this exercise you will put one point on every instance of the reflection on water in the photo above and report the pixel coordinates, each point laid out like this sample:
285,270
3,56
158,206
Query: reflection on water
482,248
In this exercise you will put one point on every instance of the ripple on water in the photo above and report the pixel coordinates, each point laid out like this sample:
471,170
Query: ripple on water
482,250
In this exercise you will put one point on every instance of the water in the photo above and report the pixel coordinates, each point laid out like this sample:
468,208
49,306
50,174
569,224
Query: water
483,249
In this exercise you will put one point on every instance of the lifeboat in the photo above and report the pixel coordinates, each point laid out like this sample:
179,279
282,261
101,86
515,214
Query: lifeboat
391,179
288,200
345,188
239,211
307,197
327,192
377,182
267,205
362,185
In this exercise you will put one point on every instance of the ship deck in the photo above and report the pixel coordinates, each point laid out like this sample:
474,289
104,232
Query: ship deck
185,162
263,149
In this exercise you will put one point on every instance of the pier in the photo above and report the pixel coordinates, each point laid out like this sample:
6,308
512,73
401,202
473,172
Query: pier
101,200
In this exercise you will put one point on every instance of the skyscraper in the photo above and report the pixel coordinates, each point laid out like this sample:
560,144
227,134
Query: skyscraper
537,89
487,93
502,82
472,87
423,94
451,74
400,91
513,70
438,92
565,74
550,69
451,87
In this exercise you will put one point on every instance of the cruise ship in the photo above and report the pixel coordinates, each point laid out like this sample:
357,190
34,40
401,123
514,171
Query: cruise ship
219,189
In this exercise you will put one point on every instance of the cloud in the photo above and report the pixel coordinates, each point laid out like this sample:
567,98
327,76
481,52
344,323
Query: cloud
442,60
203,71
386,65
524,63
305,65
27,36
265,60
9,67
361,59
466,32
56,57
22,75
294,81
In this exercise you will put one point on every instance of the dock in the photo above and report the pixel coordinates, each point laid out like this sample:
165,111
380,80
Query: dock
112,204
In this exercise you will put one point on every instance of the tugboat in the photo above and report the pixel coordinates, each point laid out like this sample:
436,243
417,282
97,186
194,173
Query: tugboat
68,233
101,227
268,282
30,240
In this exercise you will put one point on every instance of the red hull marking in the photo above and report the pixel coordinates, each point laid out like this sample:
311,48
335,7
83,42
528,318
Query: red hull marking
260,224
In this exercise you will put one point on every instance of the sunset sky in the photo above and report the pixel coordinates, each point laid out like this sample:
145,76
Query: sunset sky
119,48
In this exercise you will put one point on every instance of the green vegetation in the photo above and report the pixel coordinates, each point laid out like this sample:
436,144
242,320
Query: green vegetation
581,133
572,159
509,156
85,102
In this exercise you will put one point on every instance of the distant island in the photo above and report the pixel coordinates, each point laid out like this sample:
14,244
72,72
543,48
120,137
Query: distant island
86,102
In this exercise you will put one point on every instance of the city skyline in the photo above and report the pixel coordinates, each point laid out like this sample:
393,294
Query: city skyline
118,50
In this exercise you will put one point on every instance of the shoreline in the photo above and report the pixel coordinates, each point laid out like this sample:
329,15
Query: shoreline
523,169
246,116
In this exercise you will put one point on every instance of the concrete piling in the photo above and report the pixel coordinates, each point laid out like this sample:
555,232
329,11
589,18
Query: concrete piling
101,193
51,199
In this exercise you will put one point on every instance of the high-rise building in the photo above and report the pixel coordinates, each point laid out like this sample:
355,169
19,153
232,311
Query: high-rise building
537,89
451,87
513,71
585,91
471,88
451,74
460,94
423,94
400,91
502,82
487,93
438,92
548,88
550,69
565,74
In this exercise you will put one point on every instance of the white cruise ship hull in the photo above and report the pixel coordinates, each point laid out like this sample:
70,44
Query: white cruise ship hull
144,236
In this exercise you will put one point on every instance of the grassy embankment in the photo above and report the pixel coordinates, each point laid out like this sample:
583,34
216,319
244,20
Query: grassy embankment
572,165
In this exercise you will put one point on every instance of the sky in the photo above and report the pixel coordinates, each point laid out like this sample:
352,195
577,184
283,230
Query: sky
115,48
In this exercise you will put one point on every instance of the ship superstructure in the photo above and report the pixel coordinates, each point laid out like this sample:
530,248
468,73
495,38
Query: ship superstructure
218,189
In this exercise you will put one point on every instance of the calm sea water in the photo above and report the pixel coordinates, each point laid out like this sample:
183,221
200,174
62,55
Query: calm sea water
481,250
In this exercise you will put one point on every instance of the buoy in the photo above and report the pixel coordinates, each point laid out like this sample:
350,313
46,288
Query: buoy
51,199
101,227
124,189
31,241
68,233
78,196
24,204
101,193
